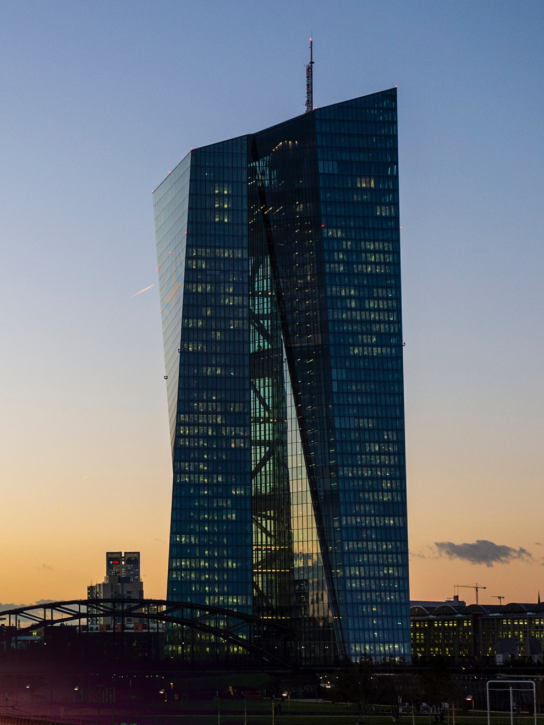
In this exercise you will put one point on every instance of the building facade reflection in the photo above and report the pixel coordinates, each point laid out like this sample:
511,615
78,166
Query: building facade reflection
279,266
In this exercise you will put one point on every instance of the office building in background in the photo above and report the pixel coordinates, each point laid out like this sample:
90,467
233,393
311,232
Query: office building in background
125,565
279,268
122,581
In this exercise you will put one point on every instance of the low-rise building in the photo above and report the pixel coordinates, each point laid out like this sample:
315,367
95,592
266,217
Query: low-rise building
477,633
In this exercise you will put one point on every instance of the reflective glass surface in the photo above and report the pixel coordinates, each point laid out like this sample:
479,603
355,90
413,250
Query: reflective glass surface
358,162
286,402
210,538
170,205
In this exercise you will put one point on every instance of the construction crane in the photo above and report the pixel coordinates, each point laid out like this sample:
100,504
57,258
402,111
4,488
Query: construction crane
468,586
496,596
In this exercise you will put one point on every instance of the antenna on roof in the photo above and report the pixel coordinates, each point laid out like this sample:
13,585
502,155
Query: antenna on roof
310,82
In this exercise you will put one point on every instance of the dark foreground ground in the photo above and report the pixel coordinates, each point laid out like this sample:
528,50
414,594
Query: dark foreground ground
227,712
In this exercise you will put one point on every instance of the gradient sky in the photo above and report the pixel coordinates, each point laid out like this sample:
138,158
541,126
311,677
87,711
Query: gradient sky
100,100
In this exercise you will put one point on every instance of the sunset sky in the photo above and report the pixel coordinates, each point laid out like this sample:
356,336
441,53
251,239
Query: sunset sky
100,100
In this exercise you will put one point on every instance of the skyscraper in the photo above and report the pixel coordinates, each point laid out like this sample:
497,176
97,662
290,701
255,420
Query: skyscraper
279,268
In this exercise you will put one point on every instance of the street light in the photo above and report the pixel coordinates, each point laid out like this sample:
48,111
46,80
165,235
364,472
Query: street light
469,698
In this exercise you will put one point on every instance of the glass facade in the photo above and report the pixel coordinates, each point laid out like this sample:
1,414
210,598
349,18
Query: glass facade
280,284
201,213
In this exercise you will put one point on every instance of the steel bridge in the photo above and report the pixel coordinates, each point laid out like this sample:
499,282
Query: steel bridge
265,639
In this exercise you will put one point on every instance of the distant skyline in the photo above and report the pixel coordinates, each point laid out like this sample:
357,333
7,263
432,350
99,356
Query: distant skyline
101,101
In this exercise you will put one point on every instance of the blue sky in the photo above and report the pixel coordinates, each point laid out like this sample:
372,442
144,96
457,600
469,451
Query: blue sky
100,100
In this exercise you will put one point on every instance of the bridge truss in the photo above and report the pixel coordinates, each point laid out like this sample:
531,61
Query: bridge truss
187,630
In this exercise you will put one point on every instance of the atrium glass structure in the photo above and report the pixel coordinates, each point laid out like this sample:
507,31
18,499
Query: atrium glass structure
279,268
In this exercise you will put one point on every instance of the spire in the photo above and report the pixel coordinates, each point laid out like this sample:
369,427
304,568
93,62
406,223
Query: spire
310,82
539,596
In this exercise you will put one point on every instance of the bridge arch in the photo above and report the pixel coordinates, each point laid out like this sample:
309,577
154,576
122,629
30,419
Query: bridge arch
262,638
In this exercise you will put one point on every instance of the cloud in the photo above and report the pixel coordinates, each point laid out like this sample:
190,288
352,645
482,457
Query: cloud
44,567
6,607
482,552
537,543
427,552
